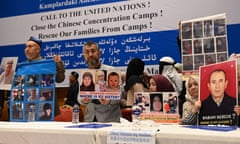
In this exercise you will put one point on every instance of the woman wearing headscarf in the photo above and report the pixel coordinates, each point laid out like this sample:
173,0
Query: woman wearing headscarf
192,105
87,82
167,69
159,83
136,80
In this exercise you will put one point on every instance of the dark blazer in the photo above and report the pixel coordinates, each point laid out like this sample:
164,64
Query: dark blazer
210,111
209,107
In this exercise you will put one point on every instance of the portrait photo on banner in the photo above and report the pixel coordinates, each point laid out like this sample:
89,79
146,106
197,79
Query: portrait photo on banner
7,72
218,93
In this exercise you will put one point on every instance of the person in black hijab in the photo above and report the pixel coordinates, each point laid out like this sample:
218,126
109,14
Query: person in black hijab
136,79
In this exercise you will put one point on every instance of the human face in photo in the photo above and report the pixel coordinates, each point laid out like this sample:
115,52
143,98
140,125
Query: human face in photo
157,104
113,81
87,81
217,84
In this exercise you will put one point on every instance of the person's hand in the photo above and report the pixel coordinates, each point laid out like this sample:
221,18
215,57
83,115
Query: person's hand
86,100
237,109
196,107
179,29
57,58
104,101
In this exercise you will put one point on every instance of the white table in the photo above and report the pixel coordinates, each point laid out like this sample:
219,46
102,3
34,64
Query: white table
44,133
177,134
57,133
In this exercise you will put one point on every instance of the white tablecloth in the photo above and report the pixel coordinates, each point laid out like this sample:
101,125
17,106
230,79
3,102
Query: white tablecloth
57,133
178,134
44,133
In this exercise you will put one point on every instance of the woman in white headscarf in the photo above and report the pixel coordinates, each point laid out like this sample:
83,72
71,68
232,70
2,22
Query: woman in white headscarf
192,105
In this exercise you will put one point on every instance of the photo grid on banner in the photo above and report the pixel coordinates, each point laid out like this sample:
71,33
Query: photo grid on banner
33,92
203,42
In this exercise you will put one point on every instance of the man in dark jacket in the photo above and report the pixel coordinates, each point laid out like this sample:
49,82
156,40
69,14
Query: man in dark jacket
72,95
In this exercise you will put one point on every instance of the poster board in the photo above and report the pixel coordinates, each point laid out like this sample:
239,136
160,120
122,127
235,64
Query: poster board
160,107
237,57
203,41
7,72
33,89
96,84
218,93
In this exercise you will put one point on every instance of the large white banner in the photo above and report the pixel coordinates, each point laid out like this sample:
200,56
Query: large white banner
124,29
127,17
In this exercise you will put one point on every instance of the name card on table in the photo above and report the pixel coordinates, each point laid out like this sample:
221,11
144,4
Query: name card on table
131,137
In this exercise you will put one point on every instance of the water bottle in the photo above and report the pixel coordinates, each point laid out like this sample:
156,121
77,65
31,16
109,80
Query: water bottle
31,113
75,114
136,122
20,111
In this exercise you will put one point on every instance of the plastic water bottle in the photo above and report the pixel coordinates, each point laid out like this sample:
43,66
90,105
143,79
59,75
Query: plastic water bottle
31,113
75,114
136,122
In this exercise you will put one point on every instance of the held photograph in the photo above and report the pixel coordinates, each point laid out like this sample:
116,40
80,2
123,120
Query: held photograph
218,93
